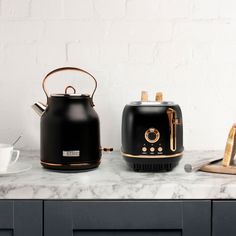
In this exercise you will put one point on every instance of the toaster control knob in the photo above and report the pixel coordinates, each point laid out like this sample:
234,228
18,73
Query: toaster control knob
144,149
152,135
152,149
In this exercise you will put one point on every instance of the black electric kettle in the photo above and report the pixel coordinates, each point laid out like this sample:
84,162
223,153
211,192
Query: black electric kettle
69,132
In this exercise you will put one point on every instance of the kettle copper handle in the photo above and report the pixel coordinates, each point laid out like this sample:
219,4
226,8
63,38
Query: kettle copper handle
68,68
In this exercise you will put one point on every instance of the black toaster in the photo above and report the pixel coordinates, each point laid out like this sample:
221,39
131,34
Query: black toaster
152,134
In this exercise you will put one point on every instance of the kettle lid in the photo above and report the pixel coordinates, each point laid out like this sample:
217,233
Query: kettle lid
67,94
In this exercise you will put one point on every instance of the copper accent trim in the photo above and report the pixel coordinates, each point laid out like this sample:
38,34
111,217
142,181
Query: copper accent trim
107,149
70,87
72,164
152,130
63,69
172,125
151,156
177,122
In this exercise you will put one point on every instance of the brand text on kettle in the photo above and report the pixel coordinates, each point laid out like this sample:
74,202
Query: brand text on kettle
75,153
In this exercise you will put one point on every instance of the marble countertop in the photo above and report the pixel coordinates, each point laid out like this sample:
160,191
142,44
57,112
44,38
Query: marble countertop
113,180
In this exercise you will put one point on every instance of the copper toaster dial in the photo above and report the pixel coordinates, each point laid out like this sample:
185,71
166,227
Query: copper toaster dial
152,135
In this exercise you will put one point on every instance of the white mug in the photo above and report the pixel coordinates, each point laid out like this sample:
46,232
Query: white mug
7,157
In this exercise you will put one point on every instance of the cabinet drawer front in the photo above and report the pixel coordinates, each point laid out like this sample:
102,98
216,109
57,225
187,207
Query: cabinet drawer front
21,217
6,214
128,233
127,215
223,218
164,218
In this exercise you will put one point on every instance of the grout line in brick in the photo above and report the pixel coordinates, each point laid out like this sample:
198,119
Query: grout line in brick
29,8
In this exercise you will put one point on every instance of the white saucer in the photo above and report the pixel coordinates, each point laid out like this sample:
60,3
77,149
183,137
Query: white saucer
16,168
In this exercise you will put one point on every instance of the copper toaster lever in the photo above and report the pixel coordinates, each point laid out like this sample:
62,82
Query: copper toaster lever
172,125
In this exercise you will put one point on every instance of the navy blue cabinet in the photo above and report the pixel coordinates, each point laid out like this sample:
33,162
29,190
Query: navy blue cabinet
123,218
223,218
118,218
21,218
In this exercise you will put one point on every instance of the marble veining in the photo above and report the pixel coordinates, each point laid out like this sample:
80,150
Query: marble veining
113,180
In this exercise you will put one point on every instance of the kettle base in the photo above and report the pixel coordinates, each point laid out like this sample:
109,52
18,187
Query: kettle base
73,166
152,164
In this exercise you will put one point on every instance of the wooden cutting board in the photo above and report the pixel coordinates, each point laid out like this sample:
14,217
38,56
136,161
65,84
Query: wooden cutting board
228,164
219,168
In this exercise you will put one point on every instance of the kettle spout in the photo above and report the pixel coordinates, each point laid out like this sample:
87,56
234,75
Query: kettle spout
39,108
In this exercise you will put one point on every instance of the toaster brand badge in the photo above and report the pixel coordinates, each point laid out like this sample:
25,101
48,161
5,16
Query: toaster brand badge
75,153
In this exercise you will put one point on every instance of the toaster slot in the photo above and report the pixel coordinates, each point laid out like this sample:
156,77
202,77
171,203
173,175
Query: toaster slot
172,126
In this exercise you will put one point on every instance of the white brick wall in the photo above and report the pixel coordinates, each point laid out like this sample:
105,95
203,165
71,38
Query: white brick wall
113,9
227,9
46,9
51,52
15,9
89,54
142,53
205,9
78,9
185,48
